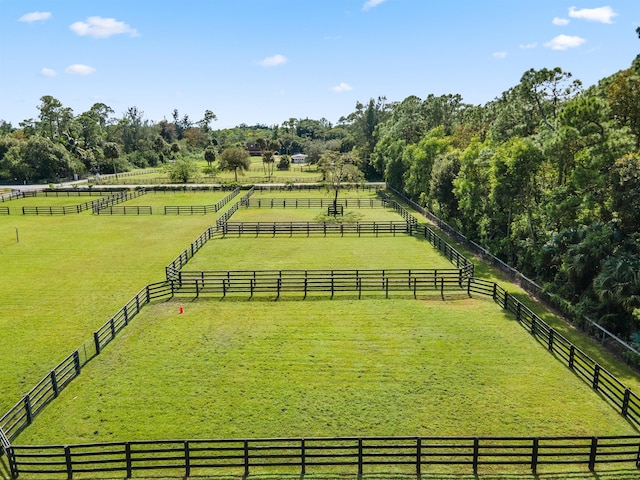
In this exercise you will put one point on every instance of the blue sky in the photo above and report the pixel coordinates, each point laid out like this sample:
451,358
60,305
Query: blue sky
264,61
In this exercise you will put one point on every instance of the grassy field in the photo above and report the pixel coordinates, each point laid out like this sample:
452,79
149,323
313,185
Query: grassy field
351,215
323,368
236,367
350,252
67,275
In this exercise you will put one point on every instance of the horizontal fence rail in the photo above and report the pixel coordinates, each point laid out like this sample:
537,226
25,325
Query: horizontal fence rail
200,209
172,270
125,210
409,455
119,197
316,228
448,251
329,281
224,218
314,203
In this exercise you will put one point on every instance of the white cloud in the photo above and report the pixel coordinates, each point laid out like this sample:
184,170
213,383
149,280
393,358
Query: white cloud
99,27
529,45
79,69
560,22
35,17
601,14
564,42
273,61
48,72
343,87
500,55
369,4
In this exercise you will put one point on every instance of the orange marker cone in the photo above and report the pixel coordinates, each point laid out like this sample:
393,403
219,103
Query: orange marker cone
181,309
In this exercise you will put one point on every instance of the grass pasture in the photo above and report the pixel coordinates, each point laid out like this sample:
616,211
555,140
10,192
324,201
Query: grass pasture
158,199
351,215
243,369
284,253
240,367
67,275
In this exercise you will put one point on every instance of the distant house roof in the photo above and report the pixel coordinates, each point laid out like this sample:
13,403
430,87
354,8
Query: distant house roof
299,156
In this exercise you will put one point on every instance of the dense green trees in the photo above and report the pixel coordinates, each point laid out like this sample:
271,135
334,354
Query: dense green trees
547,177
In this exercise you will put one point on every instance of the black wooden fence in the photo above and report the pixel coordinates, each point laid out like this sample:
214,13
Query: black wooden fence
314,202
224,218
340,455
59,209
316,228
119,197
172,270
125,210
327,281
200,209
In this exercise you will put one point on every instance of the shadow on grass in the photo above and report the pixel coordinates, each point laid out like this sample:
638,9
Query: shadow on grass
291,297
626,474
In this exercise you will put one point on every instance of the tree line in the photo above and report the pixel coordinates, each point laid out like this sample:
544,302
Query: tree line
546,176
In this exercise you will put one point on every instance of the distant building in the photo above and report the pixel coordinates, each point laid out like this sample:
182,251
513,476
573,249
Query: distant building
299,158
254,150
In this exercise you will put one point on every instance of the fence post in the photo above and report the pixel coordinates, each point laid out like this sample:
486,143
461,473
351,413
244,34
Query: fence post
442,287
360,457
67,458
303,457
476,454
506,300
96,340
419,457
54,383
534,455
592,454
76,361
551,335
625,402
572,354
187,460
596,376
27,409
127,458
246,458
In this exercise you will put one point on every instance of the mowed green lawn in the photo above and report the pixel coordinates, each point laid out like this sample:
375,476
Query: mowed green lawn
333,252
157,200
239,368
351,215
67,275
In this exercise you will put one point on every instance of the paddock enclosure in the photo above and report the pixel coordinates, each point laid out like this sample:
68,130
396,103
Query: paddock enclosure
287,339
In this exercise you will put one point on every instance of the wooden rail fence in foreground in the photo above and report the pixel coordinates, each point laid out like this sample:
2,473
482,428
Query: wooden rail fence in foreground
361,455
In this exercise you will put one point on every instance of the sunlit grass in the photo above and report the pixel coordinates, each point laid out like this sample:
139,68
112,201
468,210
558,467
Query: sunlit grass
62,277
237,368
